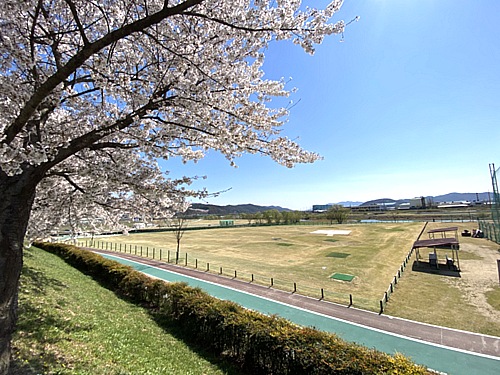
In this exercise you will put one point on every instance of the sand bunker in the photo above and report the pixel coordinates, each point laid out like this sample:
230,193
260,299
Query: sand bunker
331,232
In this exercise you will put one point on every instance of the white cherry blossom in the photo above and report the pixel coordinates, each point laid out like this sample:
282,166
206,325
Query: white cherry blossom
92,94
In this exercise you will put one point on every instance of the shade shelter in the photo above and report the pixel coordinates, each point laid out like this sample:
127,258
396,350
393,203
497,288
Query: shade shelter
439,241
443,232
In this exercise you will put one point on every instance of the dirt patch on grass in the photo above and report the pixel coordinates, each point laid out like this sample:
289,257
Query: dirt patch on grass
479,276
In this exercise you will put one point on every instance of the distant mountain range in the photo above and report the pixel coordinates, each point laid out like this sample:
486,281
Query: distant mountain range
450,197
349,203
211,209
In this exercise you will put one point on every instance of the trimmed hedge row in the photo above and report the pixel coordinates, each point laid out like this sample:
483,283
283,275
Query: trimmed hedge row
258,343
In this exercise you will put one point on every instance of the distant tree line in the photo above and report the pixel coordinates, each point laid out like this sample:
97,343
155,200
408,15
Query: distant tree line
338,213
273,217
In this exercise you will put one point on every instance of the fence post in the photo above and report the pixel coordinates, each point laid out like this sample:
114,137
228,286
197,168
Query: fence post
168,256
350,300
391,287
221,270
135,250
141,250
498,265
147,251
160,253
294,287
196,263
235,275
386,297
208,266
252,278
186,262
322,294
381,307
272,281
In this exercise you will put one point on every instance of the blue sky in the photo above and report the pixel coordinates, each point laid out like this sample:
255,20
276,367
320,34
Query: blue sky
408,104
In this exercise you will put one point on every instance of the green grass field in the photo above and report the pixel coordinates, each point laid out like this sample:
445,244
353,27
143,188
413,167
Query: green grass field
372,253
69,324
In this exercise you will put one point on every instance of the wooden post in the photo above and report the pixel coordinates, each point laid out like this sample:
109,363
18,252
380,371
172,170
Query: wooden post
235,275
208,266
381,307
272,281
196,263
350,300
322,294
252,278
186,262
220,271
294,287
168,256
498,265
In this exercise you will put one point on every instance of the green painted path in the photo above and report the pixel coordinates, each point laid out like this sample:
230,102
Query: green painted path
436,357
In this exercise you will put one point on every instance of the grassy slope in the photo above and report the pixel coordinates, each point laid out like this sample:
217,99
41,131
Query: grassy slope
69,324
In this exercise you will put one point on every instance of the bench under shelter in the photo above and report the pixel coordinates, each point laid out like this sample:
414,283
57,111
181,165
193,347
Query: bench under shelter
440,240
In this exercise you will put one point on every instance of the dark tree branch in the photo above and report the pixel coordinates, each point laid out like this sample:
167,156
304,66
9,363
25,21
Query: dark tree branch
104,145
78,23
68,179
85,53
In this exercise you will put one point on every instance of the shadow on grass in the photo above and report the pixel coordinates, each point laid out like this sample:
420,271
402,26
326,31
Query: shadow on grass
37,325
37,281
443,270
224,364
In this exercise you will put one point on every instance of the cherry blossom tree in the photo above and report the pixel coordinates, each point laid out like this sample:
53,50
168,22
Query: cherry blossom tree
93,93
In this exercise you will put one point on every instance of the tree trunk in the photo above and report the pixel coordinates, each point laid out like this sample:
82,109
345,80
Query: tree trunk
16,199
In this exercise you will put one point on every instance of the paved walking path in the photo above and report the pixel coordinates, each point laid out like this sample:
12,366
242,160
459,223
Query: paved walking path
440,348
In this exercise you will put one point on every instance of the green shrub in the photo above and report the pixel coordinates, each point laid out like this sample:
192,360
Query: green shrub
259,343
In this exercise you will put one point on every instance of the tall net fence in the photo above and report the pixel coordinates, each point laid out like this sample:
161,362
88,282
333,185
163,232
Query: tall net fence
491,228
